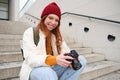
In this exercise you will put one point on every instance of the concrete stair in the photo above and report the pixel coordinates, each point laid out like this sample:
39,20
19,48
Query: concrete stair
12,27
6,57
111,76
11,59
10,55
98,68
9,42
7,39
9,70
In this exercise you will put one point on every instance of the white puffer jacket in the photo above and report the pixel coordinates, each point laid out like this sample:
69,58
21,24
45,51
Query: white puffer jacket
35,55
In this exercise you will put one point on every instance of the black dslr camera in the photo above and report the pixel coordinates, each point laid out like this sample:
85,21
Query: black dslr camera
75,62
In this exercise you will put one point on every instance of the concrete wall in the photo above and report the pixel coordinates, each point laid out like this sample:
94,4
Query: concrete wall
96,37
108,9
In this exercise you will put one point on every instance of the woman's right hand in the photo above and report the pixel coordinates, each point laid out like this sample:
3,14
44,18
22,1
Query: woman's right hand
61,60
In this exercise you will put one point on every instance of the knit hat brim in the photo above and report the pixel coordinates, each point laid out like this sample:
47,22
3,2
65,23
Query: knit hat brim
51,8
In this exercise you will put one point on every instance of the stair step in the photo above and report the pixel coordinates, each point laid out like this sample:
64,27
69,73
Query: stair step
10,36
10,39
91,71
98,69
111,76
17,56
15,79
10,48
9,70
74,44
10,57
13,27
9,42
94,57
12,78
83,50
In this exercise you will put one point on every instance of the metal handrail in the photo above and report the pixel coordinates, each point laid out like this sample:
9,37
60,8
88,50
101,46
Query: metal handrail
113,21
32,16
83,16
24,5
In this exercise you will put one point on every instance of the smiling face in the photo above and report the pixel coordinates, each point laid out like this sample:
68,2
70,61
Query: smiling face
51,21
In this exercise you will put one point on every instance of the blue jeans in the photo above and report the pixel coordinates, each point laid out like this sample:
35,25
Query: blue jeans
57,72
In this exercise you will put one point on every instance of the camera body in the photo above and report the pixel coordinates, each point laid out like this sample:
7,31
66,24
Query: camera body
75,62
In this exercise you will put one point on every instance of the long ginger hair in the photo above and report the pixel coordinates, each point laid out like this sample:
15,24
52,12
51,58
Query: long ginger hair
41,26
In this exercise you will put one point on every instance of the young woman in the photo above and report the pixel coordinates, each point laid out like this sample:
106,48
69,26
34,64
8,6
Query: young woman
46,61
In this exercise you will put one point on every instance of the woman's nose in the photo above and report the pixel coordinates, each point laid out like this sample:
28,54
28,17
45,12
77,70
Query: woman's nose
53,22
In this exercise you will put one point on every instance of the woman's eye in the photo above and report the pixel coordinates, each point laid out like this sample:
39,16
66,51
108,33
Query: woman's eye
50,18
57,20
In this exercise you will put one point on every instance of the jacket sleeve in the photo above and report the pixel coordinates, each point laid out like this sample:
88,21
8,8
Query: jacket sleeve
33,56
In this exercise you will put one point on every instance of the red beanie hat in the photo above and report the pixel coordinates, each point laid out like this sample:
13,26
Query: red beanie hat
51,8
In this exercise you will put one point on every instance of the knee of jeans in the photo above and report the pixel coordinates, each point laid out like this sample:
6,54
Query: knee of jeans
43,72
33,74
83,60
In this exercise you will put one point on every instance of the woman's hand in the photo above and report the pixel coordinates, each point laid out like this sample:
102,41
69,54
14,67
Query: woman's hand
61,60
